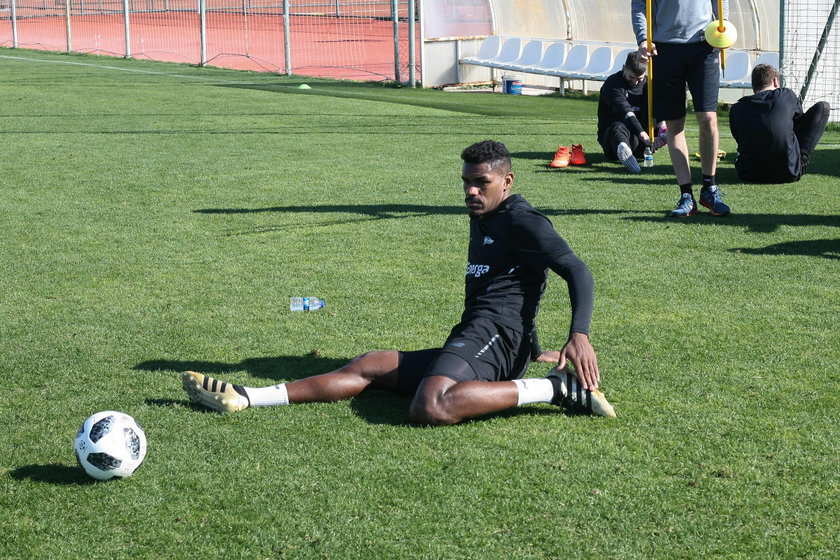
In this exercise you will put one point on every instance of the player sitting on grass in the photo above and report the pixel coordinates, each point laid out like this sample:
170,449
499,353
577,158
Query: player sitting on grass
479,369
622,114
775,136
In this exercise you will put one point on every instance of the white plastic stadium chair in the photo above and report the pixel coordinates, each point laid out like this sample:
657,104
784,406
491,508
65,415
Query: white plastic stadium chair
599,64
511,50
771,58
620,58
531,54
488,50
737,71
553,57
576,60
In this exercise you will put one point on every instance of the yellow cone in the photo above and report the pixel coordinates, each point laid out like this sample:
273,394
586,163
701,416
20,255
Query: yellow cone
721,39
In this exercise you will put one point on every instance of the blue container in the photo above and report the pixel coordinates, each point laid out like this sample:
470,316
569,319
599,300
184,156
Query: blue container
512,86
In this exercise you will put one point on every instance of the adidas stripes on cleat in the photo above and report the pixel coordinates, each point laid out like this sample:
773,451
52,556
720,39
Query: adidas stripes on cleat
569,394
214,394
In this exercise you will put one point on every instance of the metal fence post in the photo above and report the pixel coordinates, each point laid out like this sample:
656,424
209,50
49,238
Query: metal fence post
412,55
14,25
287,45
127,30
423,48
68,33
782,43
202,14
395,15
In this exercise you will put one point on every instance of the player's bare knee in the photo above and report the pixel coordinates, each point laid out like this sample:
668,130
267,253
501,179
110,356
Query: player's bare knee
707,119
369,361
427,414
378,367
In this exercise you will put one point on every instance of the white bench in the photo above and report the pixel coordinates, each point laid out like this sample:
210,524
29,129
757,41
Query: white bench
590,60
508,51
564,59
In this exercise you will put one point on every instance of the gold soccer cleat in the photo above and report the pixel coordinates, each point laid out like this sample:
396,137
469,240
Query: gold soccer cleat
214,394
570,395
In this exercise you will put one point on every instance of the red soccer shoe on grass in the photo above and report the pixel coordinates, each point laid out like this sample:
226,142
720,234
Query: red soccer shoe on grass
578,156
561,157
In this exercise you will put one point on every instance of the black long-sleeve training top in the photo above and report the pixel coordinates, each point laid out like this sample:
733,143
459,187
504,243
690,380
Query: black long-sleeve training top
510,252
762,124
618,102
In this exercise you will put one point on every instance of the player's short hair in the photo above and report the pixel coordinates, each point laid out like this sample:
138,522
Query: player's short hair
762,76
488,151
635,65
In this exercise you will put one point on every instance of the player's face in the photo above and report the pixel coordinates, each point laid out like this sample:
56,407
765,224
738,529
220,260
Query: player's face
631,79
485,188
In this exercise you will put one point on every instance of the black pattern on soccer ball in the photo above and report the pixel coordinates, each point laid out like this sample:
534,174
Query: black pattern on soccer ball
103,461
101,428
132,442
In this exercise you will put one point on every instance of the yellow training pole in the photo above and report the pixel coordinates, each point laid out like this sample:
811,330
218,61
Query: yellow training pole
648,10
721,28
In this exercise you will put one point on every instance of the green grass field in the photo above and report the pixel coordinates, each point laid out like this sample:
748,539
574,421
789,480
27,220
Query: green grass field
157,218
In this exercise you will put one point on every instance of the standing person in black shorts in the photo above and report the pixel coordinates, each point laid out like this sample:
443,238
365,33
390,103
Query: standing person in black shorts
479,369
775,137
623,115
683,57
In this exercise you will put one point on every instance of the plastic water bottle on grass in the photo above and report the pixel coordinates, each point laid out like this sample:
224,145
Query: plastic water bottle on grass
306,303
648,162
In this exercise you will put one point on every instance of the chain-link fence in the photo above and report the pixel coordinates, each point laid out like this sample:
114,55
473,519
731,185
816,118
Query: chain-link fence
353,39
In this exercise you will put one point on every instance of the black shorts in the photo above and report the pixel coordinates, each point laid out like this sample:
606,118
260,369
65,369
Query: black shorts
696,65
616,133
478,350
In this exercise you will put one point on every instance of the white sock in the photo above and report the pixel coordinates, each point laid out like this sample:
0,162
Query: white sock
268,396
534,390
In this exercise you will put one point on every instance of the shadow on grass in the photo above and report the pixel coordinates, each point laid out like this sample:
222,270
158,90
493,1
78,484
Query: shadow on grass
378,211
476,103
759,223
825,162
382,407
54,473
273,368
826,248
616,173
396,211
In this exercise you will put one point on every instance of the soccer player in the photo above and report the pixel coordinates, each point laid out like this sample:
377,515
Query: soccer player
623,115
775,137
683,57
479,368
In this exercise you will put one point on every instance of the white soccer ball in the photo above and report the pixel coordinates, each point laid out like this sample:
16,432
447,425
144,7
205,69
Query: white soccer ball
110,444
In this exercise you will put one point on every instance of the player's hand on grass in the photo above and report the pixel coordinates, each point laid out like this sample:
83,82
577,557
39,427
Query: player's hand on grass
579,351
